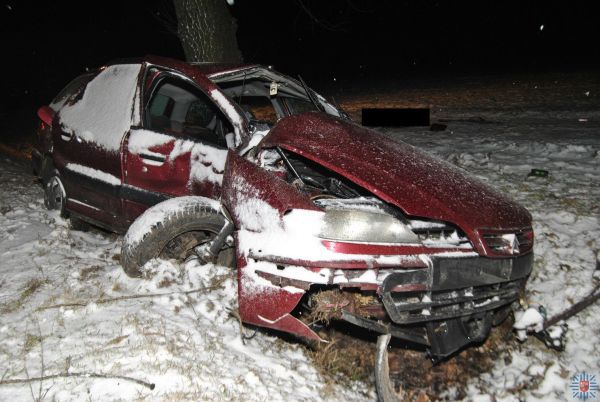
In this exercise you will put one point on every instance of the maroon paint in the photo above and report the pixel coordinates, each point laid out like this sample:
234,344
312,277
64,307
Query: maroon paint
380,249
255,300
262,185
400,174
269,306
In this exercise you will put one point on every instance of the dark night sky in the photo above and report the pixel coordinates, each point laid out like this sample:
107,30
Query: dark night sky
45,44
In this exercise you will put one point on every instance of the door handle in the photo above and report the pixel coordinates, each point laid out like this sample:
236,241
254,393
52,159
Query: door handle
154,157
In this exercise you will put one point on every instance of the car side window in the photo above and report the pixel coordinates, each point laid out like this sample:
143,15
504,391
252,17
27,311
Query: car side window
178,107
72,90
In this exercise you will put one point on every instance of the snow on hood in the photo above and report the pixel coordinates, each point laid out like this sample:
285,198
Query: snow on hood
398,173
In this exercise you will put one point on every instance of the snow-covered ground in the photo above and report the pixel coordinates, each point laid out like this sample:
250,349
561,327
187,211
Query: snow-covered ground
188,343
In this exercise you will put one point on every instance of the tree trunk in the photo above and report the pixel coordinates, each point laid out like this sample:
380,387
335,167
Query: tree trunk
207,30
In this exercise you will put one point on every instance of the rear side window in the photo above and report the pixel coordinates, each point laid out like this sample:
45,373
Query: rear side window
103,112
70,92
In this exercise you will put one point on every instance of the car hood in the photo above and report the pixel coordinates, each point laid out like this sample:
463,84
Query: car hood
400,174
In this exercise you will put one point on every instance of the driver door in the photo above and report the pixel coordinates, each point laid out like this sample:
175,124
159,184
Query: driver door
180,150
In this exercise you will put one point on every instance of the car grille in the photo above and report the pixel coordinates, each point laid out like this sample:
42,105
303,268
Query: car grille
509,244
416,307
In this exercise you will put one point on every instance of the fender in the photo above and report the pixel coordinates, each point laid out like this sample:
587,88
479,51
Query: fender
260,302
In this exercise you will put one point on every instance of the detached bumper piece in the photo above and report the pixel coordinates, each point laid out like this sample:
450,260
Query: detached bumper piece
463,295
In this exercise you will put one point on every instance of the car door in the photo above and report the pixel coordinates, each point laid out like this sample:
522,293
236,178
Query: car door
181,148
87,142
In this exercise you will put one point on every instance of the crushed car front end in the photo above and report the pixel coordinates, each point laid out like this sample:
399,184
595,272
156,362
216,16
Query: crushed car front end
322,238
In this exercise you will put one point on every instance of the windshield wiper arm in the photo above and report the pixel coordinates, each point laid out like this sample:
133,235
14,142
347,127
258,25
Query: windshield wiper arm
310,95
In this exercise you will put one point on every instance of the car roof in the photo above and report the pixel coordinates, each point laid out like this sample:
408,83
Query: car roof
205,68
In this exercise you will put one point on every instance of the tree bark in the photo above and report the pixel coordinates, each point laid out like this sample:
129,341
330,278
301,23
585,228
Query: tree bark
207,31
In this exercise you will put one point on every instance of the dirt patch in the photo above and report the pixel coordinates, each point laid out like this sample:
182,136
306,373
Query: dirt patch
90,272
347,359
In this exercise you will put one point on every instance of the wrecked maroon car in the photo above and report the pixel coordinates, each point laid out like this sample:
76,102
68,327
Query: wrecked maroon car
245,166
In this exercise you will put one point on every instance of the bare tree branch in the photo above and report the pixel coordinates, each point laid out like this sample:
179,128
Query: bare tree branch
80,375
217,285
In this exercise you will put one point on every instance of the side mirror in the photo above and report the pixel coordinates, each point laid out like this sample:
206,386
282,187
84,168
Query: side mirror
46,114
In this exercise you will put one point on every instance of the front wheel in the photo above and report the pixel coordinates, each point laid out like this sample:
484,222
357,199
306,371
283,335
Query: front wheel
172,230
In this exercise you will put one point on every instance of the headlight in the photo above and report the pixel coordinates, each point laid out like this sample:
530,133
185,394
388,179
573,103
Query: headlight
365,226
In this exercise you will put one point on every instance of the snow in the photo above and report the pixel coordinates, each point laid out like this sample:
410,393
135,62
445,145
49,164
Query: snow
189,345
256,138
201,156
207,163
529,320
140,141
106,110
94,173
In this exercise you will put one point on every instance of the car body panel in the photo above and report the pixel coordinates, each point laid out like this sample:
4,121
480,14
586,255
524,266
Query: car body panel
400,174
246,186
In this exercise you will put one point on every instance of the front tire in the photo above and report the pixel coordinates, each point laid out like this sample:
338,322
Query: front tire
171,230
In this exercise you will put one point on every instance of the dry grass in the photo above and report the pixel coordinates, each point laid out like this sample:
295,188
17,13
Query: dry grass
28,290
328,305
31,341
31,287
346,359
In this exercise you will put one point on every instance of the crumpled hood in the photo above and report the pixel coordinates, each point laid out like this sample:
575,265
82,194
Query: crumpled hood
398,173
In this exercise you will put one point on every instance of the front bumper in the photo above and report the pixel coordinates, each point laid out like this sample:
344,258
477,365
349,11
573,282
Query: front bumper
441,302
463,298
455,287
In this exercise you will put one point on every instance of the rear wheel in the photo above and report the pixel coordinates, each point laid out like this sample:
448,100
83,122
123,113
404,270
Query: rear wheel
54,194
172,233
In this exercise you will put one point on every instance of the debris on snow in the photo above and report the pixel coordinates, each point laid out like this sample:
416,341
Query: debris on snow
528,321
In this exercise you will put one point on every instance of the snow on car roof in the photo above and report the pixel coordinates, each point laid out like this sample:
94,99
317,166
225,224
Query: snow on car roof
205,68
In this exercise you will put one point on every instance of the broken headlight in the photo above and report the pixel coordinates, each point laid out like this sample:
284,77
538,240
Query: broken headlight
365,226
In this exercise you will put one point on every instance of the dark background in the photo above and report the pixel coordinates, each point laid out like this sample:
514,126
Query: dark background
333,43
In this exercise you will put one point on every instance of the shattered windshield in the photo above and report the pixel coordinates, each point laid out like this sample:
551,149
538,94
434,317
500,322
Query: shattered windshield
267,96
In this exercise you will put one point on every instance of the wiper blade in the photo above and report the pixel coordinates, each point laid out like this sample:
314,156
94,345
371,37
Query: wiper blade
311,95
